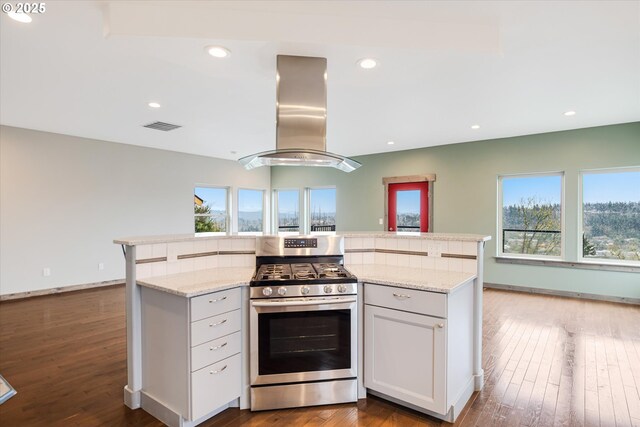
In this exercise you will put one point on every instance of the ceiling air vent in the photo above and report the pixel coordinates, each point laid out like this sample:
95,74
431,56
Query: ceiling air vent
162,126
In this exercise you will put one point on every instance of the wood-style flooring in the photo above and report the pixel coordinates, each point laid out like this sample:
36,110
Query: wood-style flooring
548,361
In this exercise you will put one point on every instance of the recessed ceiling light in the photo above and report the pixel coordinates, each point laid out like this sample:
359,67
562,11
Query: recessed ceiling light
367,63
570,113
218,51
25,18
475,127
390,143
153,105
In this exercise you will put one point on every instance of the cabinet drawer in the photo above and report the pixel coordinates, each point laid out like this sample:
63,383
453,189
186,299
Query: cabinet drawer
421,302
214,304
214,351
214,386
214,327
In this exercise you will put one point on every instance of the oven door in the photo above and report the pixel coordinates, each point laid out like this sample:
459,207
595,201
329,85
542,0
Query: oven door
303,339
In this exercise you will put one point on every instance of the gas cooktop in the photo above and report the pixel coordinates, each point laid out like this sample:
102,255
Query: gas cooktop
297,273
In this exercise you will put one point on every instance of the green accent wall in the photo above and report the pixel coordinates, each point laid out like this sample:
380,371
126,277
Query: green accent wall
465,194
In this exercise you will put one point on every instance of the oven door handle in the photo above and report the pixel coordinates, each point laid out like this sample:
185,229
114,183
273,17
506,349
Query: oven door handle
295,303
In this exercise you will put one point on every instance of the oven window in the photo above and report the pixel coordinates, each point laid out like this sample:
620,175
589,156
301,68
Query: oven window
304,341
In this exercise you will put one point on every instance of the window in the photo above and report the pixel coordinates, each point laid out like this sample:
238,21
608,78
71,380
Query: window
210,209
250,211
322,209
530,215
408,210
287,204
611,215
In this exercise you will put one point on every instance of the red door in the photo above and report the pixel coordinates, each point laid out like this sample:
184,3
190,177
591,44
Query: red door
408,206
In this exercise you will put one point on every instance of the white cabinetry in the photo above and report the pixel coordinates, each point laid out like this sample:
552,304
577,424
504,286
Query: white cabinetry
191,352
418,347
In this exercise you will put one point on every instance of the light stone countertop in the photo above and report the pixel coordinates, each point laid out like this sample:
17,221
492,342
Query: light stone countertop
218,279
411,278
200,282
170,238
459,237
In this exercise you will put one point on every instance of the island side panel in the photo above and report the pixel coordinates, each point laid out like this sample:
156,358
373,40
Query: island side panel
460,346
478,372
165,351
134,337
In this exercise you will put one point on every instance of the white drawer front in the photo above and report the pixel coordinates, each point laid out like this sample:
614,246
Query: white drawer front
214,386
214,351
214,327
421,302
214,304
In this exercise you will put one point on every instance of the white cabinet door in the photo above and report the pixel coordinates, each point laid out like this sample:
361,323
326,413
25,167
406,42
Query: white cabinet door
405,356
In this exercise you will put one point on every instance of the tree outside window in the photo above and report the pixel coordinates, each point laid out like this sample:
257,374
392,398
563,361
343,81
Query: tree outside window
611,215
531,215
210,210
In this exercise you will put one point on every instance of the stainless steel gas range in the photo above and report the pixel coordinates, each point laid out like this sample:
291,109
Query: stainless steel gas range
303,323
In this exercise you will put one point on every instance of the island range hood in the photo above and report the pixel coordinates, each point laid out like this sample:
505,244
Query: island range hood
301,118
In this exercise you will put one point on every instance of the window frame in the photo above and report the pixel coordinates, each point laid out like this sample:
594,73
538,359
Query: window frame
580,225
276,217
307,208
499,219
265,223
228,215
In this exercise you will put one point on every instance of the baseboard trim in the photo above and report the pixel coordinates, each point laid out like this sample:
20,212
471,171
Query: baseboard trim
559,293
60,289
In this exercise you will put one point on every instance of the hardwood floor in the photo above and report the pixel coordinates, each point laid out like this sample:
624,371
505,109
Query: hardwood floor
548,361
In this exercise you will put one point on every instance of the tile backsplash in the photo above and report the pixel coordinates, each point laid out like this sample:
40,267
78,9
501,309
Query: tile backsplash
449,255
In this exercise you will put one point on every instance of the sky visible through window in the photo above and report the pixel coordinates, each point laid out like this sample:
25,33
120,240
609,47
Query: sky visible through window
250,205
323,199
215,198
611,187
408,202
288,201
250,200
545,189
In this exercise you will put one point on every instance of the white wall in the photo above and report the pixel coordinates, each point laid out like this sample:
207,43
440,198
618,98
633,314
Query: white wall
63,200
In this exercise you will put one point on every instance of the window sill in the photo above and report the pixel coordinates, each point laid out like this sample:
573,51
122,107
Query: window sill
568,264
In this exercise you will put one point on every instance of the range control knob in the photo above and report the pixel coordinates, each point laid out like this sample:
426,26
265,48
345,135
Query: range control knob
304,290
282,291
267,291
342,288
328,289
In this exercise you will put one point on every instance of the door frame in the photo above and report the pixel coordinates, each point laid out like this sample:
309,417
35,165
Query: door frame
430,178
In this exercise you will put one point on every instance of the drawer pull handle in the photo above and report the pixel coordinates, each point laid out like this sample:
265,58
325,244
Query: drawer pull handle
217,347
440,325
217,300
218,371
217,324
403,296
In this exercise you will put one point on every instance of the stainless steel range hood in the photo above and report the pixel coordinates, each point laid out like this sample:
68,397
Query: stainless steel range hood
301,110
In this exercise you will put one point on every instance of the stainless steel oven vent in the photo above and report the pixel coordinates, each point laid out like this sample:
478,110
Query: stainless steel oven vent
301,117
166,127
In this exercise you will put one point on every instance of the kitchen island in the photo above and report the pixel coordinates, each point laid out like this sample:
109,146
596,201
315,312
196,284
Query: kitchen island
181,274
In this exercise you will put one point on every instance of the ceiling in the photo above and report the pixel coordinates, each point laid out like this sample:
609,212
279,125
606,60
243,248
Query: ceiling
90,68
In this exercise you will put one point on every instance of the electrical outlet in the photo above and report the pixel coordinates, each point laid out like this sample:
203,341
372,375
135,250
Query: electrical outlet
380,221
46,272
101,266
